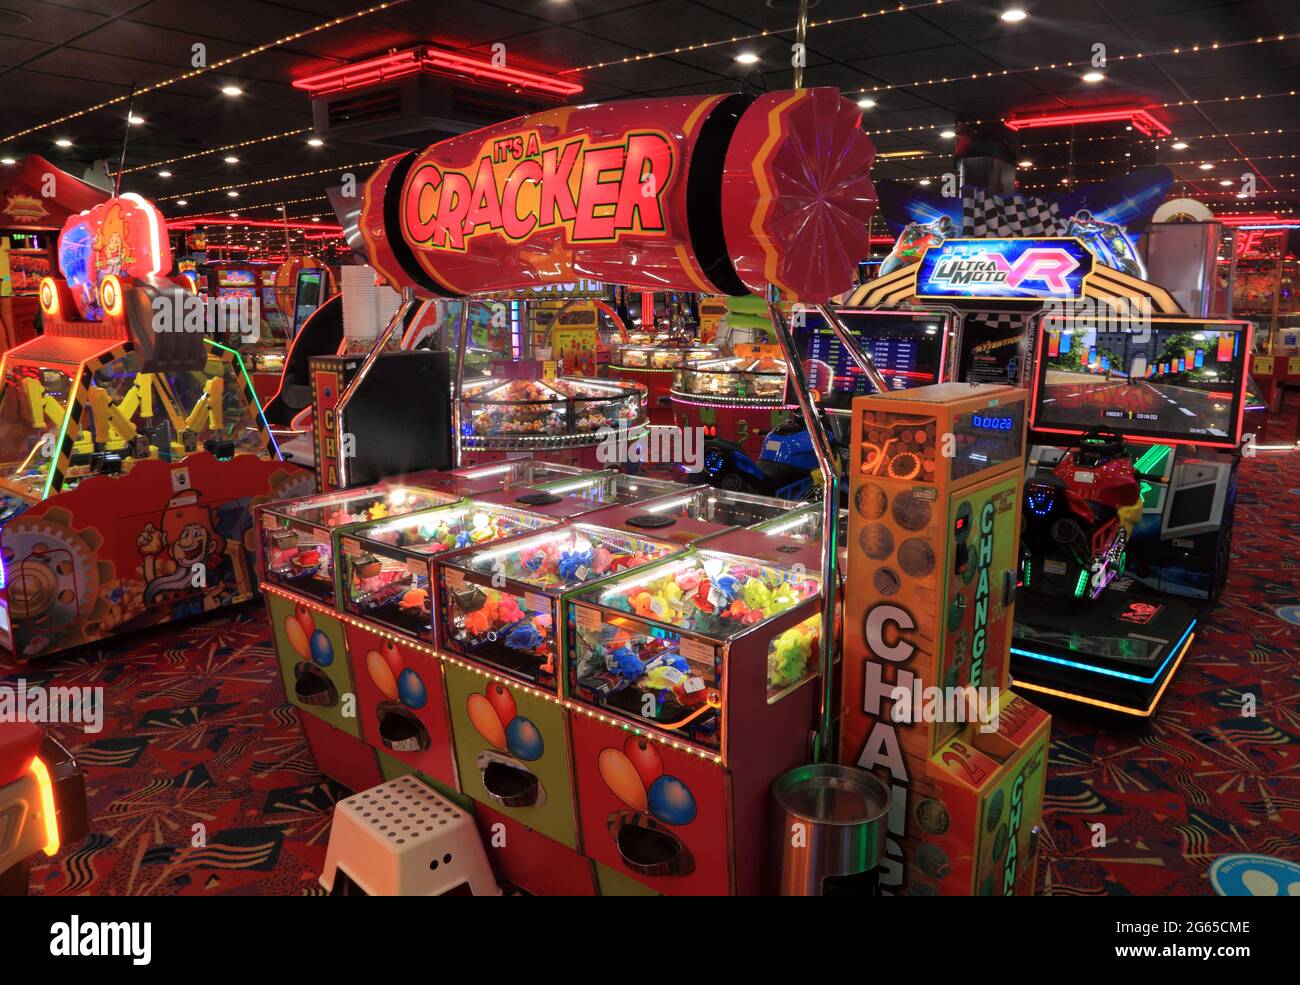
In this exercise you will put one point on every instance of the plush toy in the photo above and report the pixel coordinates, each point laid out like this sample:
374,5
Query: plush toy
508,609
643,604
702,595
525,637
688,580
627,664
378,511
479,621
788,659
414,600
573,565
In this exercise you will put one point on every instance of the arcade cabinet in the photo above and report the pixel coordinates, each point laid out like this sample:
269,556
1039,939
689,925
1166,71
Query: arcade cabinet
42,801
129,455
1129,498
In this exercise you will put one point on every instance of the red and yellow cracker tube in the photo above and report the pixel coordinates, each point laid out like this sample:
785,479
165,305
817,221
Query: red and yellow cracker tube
715,194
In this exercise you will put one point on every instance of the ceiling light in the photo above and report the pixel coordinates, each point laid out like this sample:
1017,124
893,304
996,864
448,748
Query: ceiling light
315,142
1024,164
181,201
231,91
7,161
1207,166
1013,16
1093,77
1226,183
747,58
866,103
901,153
1181,145
315,218
63,142
924,182
134,120
164,174
232,160
232,194
947,134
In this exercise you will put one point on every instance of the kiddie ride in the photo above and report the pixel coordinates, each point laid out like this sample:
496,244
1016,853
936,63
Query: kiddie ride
129,457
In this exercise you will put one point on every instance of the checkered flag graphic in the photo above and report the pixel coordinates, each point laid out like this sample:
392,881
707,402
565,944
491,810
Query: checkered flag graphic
987,215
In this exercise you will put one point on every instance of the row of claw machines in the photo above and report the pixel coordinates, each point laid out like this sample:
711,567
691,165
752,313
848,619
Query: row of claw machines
612,668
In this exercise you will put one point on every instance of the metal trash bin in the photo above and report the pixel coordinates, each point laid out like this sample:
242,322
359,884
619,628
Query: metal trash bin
833,823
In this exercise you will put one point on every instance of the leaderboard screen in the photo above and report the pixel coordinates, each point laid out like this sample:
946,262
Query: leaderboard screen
1180,380
907,349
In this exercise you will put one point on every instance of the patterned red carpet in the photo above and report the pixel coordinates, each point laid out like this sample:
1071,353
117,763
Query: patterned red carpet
200,782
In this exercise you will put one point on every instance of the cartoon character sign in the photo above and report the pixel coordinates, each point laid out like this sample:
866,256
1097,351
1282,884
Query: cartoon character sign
184,551
125,236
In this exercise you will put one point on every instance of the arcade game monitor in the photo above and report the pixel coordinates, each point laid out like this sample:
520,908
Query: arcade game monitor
310,293
908,348
1128,503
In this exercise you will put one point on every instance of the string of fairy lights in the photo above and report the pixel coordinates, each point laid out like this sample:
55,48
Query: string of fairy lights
210,151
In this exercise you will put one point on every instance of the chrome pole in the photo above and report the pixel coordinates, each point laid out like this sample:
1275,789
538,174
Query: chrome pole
462,334
830,523
859,355
801,39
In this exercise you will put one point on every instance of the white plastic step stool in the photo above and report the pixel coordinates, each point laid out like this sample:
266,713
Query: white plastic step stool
402,839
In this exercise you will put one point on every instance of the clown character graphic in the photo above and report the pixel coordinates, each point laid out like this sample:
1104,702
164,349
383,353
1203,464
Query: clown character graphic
185,540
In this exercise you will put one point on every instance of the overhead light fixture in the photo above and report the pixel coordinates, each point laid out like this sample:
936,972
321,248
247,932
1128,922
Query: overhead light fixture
1207,166
181,201
1024,164
232,194
923,182
1226,183
1180,145
1142,119
947,134
747,58
901,153
866,103
231,91
63,142
164,174
315,218
134,120
315,142
7,161
1093,76
1013,16
232,160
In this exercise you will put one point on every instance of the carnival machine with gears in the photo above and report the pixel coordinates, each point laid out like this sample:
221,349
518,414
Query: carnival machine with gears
636,756
131,447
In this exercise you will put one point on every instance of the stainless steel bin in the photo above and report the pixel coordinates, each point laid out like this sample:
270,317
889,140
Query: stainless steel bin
832,827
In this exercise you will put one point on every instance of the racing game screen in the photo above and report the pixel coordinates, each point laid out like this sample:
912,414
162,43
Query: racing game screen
1172,380
907,349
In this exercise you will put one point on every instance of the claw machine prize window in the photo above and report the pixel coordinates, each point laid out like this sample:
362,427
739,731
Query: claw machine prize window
386,573
658,647
501,606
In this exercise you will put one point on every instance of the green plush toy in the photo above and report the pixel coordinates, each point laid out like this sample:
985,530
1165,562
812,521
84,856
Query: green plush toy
787,661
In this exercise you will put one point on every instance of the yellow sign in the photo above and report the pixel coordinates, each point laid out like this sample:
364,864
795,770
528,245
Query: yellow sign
1293,366
1262,365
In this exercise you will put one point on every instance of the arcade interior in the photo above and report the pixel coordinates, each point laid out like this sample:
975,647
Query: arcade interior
649,447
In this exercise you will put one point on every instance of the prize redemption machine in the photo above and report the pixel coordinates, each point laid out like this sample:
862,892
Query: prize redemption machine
933,546
1129,504
130,457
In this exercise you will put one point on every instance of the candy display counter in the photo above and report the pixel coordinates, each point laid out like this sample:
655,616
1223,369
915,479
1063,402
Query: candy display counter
739,398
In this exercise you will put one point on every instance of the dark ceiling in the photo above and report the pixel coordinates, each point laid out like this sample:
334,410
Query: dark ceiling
59,57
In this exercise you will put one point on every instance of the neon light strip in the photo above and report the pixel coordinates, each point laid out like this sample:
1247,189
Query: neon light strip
252,394
1141,119
1108,705
49,814
155,224
1092,669
414,60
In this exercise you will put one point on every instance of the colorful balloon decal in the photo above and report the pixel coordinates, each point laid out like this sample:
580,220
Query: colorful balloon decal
306,640
496,718
635,775
396,682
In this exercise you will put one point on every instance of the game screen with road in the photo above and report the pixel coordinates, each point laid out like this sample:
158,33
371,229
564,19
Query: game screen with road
908,351
1170,380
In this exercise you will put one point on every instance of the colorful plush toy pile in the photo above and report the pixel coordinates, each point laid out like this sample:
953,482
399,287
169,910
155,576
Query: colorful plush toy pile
618,659
712,595
787,659
443,533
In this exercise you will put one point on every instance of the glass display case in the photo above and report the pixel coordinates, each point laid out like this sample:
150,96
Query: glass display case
726,507
572,496
387,566
662,357
665,646
298,535
525,415
502,606
738,379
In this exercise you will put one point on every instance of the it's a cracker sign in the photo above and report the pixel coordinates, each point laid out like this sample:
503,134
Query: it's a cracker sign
521,185
713,194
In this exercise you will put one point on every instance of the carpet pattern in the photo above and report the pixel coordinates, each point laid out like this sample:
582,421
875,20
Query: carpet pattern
201,784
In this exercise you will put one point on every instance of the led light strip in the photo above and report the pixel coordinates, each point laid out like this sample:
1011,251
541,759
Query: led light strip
270,181
455,661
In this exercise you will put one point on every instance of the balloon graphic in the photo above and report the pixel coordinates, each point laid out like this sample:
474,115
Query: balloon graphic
643,755
485,721
621,777
411,689
322,650
523,739
303,615
671,801
297,637
381,674
500,698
